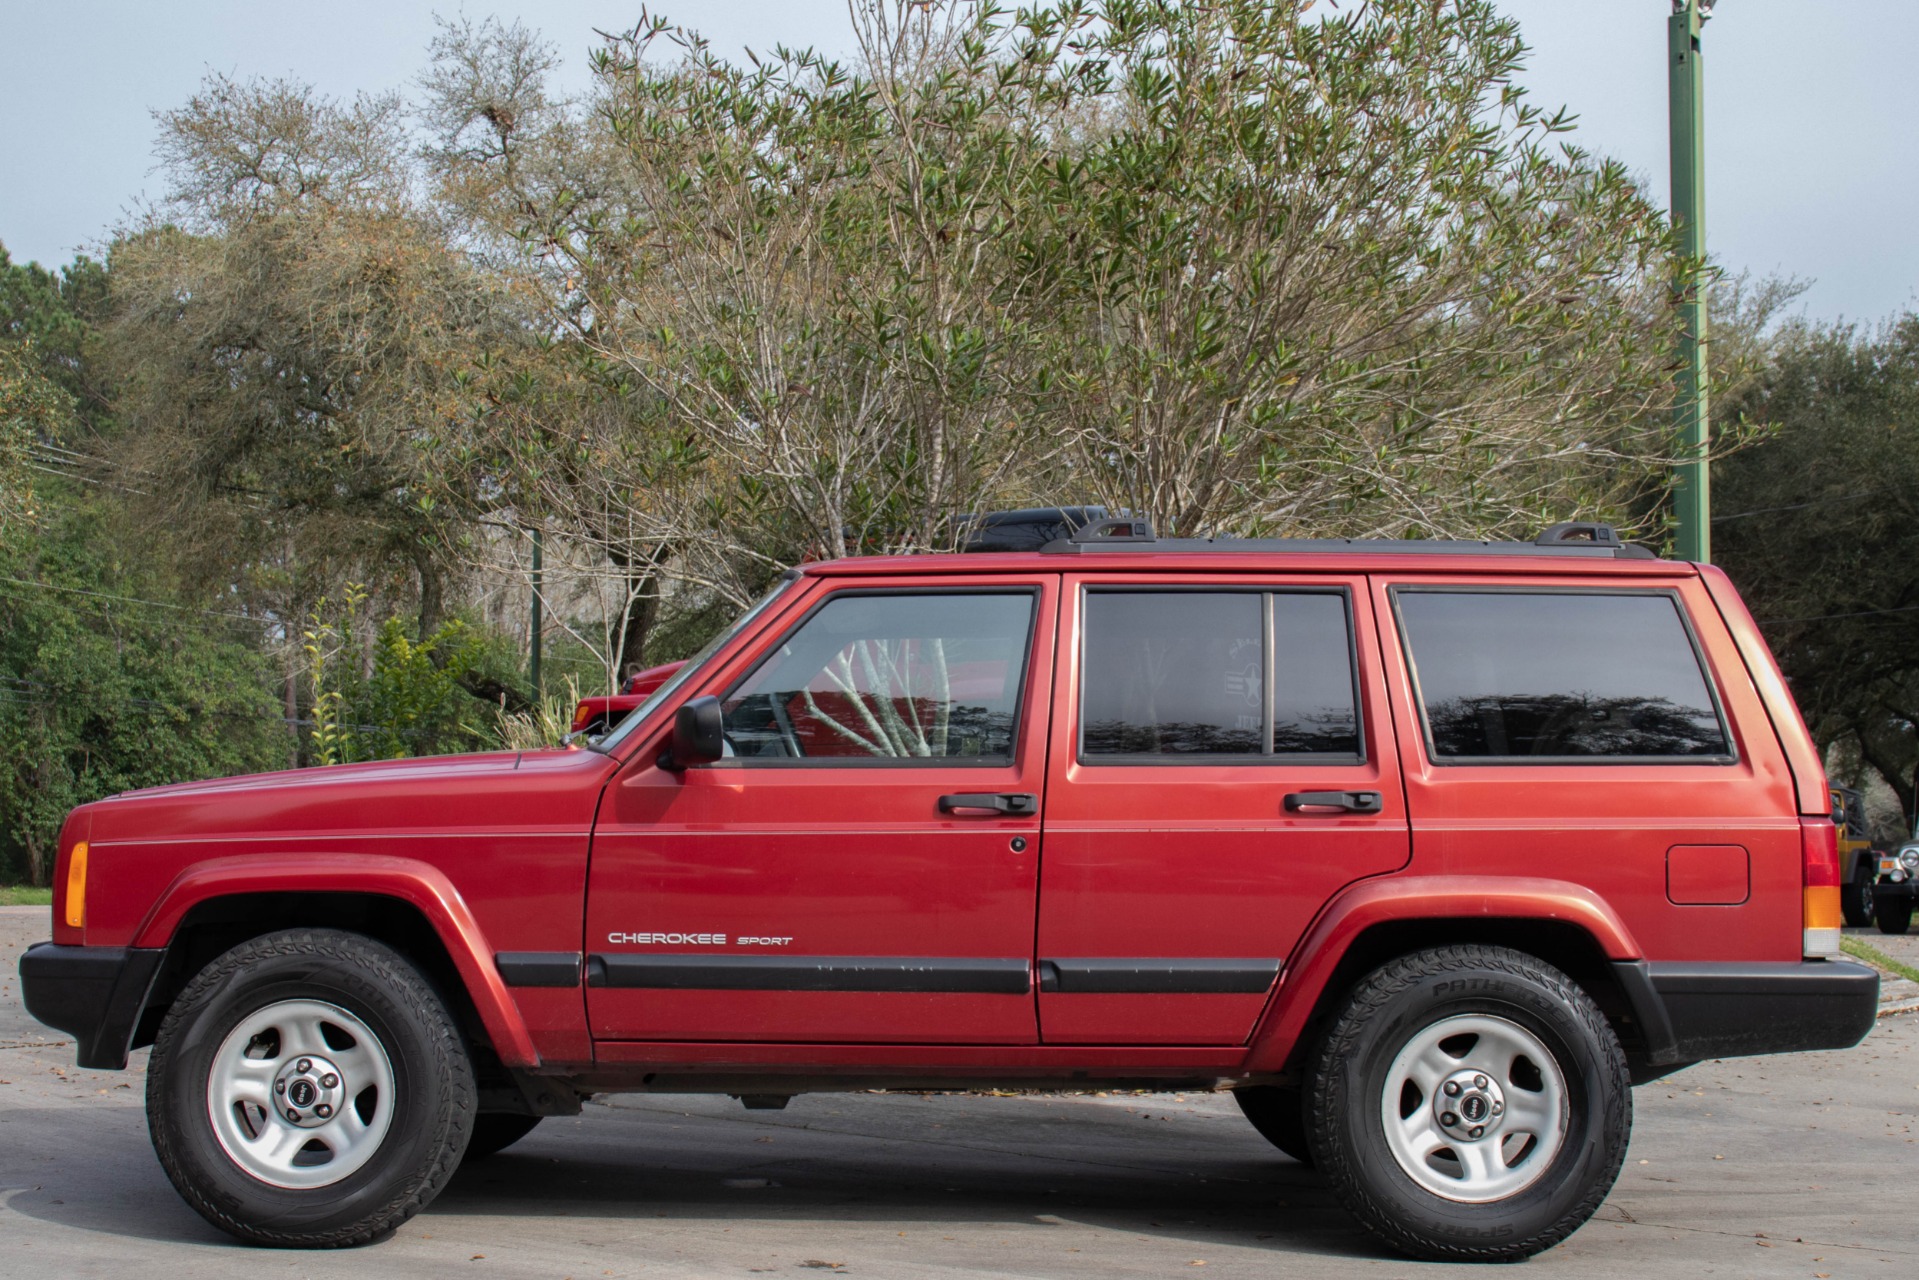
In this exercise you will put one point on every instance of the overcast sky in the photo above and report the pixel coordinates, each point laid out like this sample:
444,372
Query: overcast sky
1809,105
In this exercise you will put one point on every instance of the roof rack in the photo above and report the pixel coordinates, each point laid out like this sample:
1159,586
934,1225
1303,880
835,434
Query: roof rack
1028,529
1578,539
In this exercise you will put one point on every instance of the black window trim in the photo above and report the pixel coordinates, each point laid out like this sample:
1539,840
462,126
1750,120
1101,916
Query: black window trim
1265,759
1008,761
1395,590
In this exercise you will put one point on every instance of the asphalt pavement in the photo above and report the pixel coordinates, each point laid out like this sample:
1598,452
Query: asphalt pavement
1803,1166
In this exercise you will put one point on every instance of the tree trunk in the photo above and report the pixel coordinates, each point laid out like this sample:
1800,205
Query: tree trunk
293,713
432,593
641,614
36,861
1906,788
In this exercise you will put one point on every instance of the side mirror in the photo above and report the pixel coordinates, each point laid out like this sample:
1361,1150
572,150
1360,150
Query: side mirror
697,734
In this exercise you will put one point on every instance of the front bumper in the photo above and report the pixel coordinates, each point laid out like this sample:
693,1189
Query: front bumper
94,994
1689,1011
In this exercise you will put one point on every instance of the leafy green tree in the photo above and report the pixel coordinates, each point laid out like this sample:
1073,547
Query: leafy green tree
1329,271
30,406
1819,525
58,313
285,338
378,694
46,387
101,692
1248,266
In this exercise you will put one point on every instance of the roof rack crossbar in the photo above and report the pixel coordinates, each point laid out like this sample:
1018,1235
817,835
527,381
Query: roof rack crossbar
1575,539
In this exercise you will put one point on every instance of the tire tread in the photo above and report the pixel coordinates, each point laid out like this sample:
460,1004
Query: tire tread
1368,1001
374,960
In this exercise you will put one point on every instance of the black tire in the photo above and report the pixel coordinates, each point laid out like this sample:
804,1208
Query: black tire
495,1131
1855,901
1892,915
1405,999
1279,1115
431,1107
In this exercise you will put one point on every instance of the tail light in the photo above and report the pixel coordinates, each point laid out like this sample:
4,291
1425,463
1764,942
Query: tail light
73,901
1819,856
581,715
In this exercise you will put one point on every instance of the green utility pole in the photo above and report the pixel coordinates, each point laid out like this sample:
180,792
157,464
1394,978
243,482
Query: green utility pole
1693,497
539,625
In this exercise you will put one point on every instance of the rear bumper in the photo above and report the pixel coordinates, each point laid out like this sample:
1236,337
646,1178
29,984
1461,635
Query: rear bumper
1690,1011
94,994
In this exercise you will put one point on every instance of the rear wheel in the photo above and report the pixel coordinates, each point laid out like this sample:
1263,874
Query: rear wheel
1892,915
1469,1103
1277,1114
495,1131
309,1089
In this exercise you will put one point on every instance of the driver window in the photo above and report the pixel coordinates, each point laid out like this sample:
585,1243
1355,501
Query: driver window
894,676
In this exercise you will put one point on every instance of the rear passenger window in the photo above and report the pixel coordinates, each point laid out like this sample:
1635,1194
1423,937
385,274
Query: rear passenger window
1234,674
1556,675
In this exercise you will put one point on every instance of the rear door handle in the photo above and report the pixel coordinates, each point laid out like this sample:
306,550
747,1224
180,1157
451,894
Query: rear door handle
1344,801
1016,805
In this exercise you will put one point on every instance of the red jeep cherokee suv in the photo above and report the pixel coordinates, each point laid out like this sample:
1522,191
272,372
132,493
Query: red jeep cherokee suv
1426,850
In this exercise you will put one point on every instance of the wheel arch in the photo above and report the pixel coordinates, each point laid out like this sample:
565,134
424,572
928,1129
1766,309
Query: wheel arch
1563,924
409,906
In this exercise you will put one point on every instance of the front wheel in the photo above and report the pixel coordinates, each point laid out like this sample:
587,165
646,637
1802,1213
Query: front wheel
1892,915
1470,1103
309,1089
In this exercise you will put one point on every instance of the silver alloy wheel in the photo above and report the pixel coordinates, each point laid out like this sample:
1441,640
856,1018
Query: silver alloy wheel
300,1094
1474,1108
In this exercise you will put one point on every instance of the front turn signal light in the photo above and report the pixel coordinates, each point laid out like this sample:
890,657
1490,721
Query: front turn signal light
76,895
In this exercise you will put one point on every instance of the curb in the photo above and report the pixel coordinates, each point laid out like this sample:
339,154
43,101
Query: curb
1899,1006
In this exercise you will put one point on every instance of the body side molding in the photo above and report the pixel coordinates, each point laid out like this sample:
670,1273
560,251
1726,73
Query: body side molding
539,968
1115,976
931,974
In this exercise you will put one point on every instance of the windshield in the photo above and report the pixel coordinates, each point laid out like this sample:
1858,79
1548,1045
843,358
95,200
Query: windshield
618,733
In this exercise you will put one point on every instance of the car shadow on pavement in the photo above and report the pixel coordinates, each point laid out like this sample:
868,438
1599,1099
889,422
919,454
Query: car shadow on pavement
1097,1172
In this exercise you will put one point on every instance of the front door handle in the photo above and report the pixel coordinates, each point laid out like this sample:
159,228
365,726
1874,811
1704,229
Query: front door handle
1018,805
1344,801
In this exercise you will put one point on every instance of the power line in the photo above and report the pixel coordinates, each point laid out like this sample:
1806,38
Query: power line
1832,617
157,604
1796,506
16,697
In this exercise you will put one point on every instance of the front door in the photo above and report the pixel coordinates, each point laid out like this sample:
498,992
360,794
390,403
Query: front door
863,866
1222,765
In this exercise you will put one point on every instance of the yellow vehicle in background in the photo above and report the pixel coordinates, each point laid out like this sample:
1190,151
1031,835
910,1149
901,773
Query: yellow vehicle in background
1874,888
1858,864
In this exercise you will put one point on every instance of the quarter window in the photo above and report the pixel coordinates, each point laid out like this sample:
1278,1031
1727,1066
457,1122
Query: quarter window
1249,674
1545,675
889,677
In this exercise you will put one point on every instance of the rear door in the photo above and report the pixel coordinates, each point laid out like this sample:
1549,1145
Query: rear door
863,867
1603,733
1222,763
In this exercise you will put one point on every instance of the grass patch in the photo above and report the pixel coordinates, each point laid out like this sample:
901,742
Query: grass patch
1874,956
20,895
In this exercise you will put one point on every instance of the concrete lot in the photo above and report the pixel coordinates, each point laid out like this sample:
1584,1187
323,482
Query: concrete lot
1803,1166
